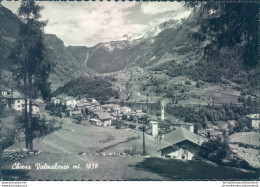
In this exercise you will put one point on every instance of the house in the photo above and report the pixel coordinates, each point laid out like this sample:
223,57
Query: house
189,126
75,114
19,105
84,100
101,118
116,109
117,117
96,107
35,108
94,121
155,128
83,105
104,118
55,100
69,101
5,92
182,144
39,100
180,124
139,112
255,120
126,110
95,102
106,108
8,96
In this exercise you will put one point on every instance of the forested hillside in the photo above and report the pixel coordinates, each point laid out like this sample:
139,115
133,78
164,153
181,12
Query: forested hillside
89,87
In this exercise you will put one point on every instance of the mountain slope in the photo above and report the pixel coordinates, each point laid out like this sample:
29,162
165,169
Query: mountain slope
102,57
65,65
9,34
156,49
89,87
167,39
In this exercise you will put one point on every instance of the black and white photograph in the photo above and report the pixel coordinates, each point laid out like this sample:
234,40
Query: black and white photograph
129,90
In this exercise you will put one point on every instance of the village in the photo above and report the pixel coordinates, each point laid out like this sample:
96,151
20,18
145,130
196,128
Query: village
177,139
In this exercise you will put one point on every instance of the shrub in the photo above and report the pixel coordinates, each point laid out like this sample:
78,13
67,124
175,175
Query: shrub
132,151
187,82
9,138
132,126
214,150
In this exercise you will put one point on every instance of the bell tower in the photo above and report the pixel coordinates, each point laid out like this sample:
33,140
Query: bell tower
162,110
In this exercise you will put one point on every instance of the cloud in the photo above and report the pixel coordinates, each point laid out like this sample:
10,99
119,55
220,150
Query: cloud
182,15
87,23
90,23
161,7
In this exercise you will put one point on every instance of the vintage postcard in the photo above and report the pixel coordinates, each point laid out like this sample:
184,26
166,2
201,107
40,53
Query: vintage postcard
129,91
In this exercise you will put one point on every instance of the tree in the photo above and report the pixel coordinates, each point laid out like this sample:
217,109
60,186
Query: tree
214,150
243,124
30,62
227,25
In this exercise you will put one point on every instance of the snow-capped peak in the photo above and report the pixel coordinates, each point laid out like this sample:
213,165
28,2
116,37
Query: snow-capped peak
136,37
130,36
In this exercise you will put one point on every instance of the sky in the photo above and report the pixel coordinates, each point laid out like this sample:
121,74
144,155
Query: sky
90,23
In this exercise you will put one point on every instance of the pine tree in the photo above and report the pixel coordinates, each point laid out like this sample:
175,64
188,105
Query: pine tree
31,64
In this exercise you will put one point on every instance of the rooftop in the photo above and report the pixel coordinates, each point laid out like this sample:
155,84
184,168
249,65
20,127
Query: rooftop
254,116
75,112
94,119
183,134
103,115
125,107
153,122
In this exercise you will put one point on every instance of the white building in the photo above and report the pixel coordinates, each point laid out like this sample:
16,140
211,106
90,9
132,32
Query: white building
255,120
162,111
5,93
56,100
126,110
35,109
189,126
72,102
95,102
19,105
39,100
95,122
69,102
155,128
105,118
116,110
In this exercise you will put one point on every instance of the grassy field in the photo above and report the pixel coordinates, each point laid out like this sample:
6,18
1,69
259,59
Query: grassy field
251,138
109,168
122,168
193,170
74,138
63,147
207,93
249,154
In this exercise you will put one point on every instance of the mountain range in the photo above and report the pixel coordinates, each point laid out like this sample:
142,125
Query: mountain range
165,43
